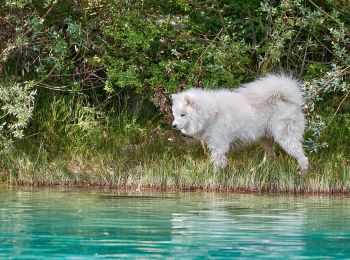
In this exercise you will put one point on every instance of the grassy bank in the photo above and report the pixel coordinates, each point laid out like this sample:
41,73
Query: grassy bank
145,156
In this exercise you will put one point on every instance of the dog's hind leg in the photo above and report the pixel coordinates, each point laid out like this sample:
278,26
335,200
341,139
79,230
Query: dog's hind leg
293,146
295,149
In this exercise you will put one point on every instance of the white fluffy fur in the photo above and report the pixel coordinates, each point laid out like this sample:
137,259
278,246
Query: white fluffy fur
267,110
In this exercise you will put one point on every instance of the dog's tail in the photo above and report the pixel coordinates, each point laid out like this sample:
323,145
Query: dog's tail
272,89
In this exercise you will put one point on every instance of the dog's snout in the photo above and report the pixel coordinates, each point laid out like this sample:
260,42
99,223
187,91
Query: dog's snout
174,125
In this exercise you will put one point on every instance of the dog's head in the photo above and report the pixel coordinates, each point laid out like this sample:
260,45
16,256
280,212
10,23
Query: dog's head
187,114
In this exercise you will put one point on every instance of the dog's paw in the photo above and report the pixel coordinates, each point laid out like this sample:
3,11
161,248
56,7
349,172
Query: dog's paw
303,168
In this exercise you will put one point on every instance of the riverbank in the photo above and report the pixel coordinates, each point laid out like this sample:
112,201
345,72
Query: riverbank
163,160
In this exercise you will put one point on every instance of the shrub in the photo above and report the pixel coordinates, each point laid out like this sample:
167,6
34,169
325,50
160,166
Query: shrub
104,50
16,103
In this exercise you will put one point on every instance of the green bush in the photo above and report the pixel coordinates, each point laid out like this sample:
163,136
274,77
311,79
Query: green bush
105,50
16,107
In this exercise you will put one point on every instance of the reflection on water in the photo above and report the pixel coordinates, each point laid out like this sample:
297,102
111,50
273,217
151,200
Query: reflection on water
92,224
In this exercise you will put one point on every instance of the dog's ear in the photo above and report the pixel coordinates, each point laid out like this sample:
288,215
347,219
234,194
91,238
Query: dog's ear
190,102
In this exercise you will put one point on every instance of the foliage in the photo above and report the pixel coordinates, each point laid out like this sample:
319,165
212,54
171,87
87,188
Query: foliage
16,103
312,40
84,57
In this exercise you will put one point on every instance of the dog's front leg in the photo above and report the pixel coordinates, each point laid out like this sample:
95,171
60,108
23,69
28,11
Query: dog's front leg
218,159
218,153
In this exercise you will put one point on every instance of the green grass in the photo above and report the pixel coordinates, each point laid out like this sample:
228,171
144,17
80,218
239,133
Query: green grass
151,160
73,145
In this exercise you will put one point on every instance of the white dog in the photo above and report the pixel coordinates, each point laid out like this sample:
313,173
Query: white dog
267,110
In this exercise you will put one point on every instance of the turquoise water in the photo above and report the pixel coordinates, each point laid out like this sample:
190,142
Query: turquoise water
86,224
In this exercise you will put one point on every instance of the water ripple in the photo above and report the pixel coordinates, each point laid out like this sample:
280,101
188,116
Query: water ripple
82,224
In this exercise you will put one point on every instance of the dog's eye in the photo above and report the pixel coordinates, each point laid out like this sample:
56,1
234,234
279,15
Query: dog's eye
183,114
